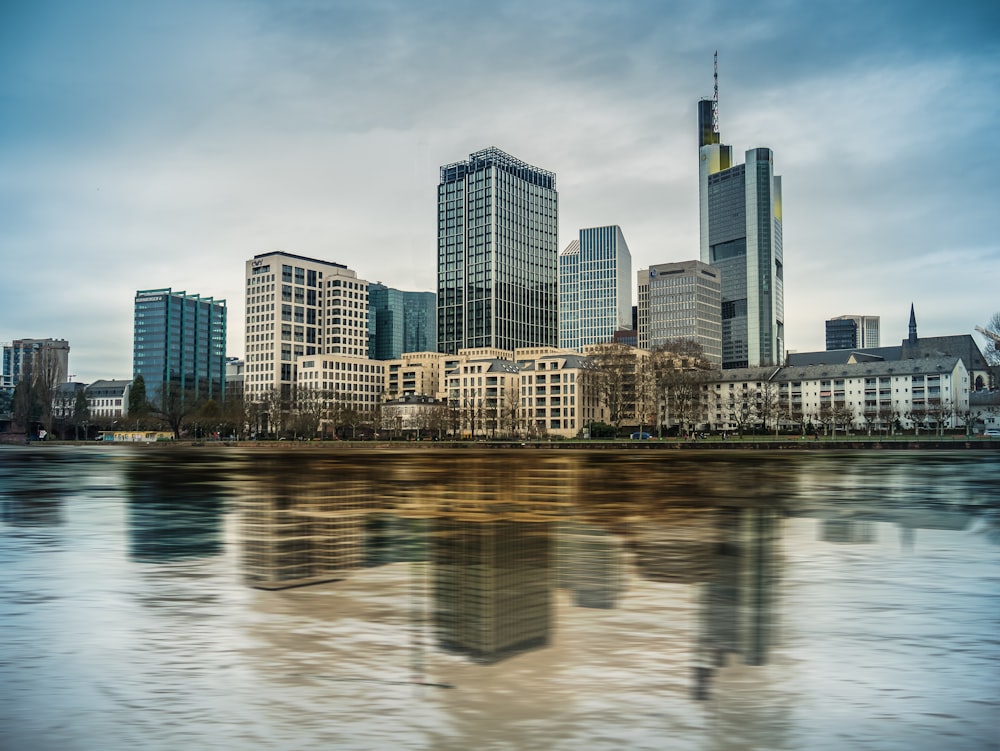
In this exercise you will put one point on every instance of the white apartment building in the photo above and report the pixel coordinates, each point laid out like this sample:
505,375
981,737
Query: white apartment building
299,307
924,392
346,381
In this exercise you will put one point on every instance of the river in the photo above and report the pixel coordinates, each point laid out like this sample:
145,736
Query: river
257,598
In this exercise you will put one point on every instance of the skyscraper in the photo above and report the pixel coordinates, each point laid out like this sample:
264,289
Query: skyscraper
497,254
400,322
595,288
681,301
180,339
295,307
740,218
850,332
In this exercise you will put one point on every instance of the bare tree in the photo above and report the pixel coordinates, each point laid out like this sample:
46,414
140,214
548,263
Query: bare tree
768,406
174,405
992,333
742,408
824,417
842,416
611,379
940,411
512,410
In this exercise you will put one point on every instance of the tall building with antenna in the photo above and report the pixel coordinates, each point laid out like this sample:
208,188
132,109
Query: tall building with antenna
740,222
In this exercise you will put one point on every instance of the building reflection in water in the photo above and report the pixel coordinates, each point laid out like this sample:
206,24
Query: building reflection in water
739,607
302,531
488,542
34,486
591,564
175,511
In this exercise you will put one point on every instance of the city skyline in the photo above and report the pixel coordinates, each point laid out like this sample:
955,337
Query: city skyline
161,147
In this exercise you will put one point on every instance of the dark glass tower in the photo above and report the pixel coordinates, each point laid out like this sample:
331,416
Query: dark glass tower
498,254
400,322
740,217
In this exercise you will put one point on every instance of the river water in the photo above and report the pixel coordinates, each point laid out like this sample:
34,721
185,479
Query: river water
237,598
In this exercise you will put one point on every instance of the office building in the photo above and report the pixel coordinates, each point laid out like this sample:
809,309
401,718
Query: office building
497,254
740,223
297,307
47,359
851,332
180,339
400,322
595,288
681,301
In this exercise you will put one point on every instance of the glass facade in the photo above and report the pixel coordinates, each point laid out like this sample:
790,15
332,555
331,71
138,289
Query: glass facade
851,332
400,322
741,237
181,339
497,254
595,288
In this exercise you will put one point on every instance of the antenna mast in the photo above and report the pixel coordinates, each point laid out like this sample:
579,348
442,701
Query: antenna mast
715,97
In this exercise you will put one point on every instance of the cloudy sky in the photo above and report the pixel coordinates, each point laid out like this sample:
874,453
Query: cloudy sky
149,145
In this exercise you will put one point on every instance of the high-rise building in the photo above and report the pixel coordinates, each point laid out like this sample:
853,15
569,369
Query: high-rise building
400,322
497,254
595,288
851,332
180,339
740,218
295,307
681,301
47,359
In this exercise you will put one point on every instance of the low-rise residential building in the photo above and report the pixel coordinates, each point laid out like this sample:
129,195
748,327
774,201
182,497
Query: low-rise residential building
928,392
552,393
416,414
108,399
415,373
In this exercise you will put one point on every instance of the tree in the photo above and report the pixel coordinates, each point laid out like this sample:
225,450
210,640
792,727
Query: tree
678,369
769,407
940,412
842,415
992,333
824,418
174,406
442,419
138,404
742,407
512,409
26,409
611,379
888,417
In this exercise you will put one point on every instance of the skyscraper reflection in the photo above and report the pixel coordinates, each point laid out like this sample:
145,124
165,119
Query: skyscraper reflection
296,532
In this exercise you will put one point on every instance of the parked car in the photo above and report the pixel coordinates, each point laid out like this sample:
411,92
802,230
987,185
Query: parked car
992,432
641,436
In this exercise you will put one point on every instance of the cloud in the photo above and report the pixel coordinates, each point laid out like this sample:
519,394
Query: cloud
162,146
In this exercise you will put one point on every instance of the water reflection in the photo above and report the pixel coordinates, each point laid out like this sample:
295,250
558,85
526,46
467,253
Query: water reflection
452,600
175,510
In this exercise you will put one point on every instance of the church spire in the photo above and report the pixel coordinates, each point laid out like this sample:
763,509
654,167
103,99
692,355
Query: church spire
913,326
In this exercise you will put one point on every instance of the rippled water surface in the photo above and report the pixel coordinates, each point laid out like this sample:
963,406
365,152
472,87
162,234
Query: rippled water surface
229,598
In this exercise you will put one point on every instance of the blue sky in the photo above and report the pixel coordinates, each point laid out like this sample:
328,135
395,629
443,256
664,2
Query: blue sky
148,145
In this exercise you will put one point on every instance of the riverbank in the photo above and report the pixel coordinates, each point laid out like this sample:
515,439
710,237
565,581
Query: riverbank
747,443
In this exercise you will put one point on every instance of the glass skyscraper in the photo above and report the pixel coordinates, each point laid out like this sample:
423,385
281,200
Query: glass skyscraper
497,254
180,338
400,322
740,218
595,288
849,332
